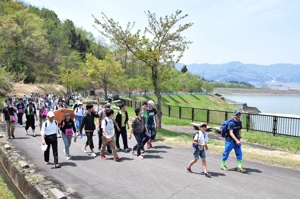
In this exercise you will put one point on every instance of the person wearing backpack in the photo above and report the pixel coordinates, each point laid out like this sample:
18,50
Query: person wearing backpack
233,128
152,113
79,113
120,127
29,114
102,115
49,137
89,127
137,128
199,144
108,135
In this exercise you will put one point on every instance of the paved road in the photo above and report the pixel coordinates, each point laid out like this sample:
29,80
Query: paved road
161,174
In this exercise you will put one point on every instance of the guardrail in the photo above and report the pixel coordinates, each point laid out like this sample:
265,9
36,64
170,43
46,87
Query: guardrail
162,94
289,126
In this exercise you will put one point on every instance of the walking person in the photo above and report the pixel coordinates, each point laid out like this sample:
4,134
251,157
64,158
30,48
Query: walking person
152,113
21,109
49,137
29,118
232,141
145,137
42,107
57,107
7,116
121,122
102,115
79,113
108,135
200,145
137,128
89,127
67,128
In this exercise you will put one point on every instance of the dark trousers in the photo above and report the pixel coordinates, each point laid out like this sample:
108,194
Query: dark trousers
145,138
100,141
89,141
123,133
138,146
51,140
30,123
20,118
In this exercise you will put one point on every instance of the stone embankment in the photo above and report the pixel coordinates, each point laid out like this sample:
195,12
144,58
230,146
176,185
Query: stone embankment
257,92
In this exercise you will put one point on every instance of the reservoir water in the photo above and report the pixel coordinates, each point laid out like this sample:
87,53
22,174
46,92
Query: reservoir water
277,105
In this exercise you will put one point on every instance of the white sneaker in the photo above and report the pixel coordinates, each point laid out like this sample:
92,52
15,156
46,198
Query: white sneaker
64,152
26,132
84,150
93,155
34,135
59,136
140,157
68,158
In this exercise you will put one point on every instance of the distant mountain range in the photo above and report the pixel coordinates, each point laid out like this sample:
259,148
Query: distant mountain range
237,71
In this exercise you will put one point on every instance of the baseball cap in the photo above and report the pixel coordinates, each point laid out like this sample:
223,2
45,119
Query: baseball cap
50,114
236,112
203,124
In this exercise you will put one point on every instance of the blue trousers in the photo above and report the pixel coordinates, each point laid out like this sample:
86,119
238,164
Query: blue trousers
228,147
78,120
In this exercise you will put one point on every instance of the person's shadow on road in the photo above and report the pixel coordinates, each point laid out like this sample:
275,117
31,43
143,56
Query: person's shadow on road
213,174
155,151
248,170
82,158
162,147
72,164
152,157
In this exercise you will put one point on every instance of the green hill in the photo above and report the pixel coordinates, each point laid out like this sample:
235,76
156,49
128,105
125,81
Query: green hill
195,101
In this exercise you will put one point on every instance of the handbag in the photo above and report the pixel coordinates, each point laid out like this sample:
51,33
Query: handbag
69,131
44,113
11,118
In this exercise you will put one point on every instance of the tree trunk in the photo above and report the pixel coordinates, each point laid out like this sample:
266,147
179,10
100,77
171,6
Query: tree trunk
105,91
145,92
157,93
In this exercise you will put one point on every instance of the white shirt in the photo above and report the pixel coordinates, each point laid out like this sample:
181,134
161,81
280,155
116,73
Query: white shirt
52,128
58,107
54,103
109,128
79,111
201,138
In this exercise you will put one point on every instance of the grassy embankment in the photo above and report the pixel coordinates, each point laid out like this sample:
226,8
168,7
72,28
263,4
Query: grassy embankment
4,192
192,101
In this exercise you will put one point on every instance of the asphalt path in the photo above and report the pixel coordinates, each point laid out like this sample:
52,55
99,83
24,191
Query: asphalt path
161,174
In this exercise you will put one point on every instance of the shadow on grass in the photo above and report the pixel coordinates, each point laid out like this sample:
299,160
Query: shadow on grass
179,96
197,98
172,98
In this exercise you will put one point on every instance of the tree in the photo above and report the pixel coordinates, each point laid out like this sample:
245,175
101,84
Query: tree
159,52
184,69
103,71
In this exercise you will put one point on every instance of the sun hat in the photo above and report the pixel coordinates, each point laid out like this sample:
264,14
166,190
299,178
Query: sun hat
151,102
80,103
50,114
66,114
203,124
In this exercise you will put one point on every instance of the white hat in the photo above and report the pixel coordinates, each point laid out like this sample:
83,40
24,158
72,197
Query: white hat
80,103
44,147
50,114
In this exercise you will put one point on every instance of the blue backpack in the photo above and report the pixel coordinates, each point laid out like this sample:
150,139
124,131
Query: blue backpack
224,127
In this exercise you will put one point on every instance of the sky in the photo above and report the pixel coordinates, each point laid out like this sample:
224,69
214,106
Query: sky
250,31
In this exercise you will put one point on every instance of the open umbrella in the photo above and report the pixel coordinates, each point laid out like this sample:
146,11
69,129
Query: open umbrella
59,115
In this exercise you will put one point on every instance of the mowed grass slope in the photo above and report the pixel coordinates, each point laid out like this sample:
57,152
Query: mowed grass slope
199,102
195,101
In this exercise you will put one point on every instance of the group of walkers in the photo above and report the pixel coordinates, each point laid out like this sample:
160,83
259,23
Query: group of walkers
231,129
110,127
